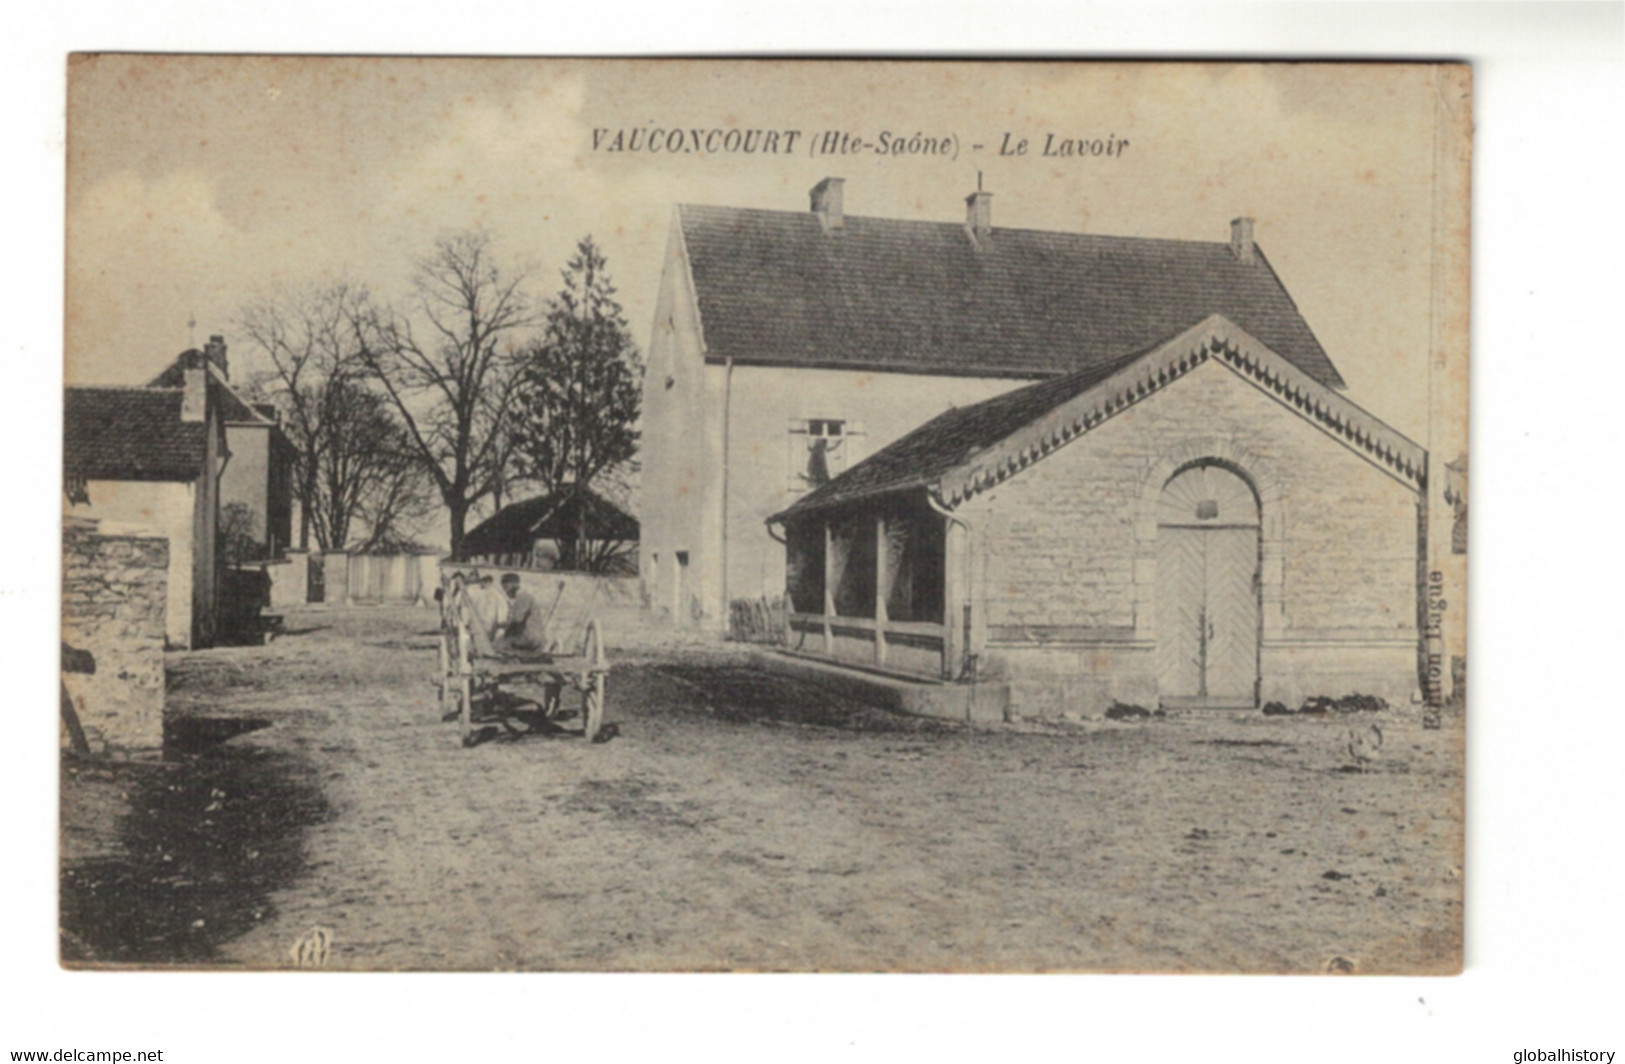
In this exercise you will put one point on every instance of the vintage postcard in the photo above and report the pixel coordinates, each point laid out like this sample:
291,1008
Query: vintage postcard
668,515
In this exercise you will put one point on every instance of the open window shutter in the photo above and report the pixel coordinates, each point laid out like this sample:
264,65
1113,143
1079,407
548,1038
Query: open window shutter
855,444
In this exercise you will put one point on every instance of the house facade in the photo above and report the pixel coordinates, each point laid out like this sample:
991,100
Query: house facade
790,345
1205,525
151,459
256,490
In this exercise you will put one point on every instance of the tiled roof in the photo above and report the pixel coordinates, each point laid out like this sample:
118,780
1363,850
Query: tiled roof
965,444
130,434
947,440
774,287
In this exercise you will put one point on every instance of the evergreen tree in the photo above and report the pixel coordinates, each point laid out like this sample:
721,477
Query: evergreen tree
578,397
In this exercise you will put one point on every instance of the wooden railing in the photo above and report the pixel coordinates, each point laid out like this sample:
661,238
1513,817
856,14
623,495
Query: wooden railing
882,635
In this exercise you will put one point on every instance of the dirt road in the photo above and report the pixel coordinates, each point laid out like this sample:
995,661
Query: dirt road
740,821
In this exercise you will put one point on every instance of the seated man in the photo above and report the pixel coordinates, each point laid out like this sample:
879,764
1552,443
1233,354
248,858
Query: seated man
525,632
488,610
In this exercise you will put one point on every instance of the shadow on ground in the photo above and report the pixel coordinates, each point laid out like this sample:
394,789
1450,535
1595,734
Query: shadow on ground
204,838
741,694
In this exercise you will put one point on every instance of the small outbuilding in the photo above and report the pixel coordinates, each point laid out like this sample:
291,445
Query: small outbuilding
573,528
1199,524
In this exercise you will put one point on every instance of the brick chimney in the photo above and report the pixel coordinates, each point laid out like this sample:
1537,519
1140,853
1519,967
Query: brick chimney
979,215
1241,241
215,351
827,203
195,391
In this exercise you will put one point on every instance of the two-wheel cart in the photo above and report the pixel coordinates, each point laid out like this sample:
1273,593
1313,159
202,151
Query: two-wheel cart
474,677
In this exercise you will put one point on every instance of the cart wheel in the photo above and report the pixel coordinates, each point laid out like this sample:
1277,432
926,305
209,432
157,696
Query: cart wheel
467,716
592,646
593,709
444,676
592,656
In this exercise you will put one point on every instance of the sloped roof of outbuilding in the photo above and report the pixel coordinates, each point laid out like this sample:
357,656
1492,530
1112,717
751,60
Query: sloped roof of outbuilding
966,449
515,528
777,288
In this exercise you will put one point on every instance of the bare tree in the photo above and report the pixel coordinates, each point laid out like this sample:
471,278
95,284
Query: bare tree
449,367
578,397
370,491
355,471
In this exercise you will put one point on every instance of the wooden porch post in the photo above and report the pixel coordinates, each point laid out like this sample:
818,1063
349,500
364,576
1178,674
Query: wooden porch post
829,589
881,589
953,547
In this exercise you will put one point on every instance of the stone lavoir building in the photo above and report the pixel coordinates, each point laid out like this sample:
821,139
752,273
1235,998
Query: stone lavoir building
1200,525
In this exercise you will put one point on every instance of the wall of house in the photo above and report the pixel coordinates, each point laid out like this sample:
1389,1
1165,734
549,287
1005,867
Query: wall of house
165,509
247,475
689,407
279,495
114,598
205,523
881,406
681,451
1064,585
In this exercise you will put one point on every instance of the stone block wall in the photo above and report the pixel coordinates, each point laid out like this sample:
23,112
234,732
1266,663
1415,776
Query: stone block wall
169,510
114,592
1067,559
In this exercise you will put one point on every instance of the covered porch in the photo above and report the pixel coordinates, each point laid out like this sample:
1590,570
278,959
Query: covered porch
868,586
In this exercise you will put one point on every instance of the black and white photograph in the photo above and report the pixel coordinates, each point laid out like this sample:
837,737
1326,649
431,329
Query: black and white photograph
828,532
810,516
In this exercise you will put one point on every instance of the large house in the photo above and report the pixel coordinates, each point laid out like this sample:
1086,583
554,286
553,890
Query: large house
1091,468
152,459
788,345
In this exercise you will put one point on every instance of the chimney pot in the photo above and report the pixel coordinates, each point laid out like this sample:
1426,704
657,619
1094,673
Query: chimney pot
827,202
1241,241
979,215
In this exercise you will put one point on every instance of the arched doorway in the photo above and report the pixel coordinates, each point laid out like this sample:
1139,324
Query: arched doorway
1207,589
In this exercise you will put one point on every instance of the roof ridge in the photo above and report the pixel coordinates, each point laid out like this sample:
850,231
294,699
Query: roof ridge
901,294
960,225
141,388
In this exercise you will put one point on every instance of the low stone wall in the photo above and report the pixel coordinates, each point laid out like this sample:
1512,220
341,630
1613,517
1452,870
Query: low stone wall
114,588
1084,681
1296,671
573,598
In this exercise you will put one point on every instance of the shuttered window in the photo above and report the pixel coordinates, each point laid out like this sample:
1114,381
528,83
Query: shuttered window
821,449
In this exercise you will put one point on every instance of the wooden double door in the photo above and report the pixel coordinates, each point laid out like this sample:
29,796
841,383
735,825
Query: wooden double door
1208,590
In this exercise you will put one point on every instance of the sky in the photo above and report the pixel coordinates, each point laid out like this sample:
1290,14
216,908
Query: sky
198,184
